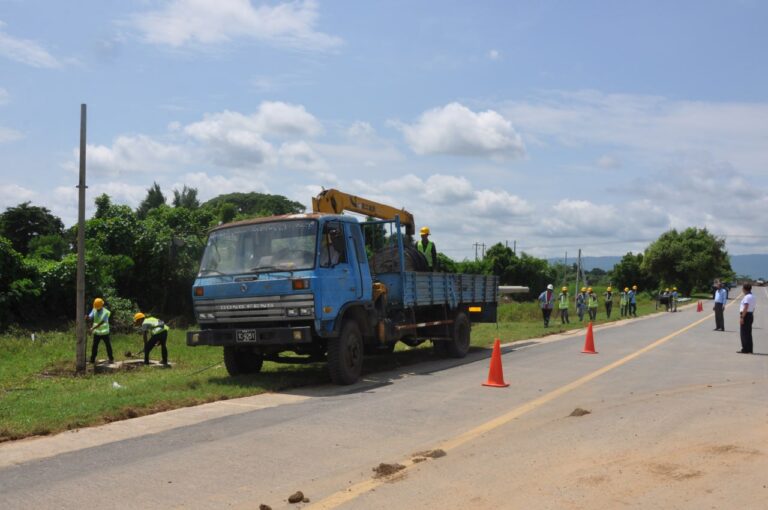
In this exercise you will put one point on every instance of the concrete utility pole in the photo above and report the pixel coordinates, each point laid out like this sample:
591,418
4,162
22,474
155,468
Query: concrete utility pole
578,274
80,311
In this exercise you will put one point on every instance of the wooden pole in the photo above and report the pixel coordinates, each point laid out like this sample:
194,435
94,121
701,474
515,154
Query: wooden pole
80,312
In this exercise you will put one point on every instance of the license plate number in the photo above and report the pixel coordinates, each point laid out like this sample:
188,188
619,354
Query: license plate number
246,335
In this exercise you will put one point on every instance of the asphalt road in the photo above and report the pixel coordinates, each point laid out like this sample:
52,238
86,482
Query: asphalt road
677,419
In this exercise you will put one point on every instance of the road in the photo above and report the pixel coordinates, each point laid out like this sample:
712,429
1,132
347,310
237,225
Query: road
677,419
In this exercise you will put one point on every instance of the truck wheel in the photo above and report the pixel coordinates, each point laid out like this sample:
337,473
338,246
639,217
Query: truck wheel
239,361
345,354
459,346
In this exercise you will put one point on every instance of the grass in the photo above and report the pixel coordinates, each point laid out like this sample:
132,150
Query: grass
39,393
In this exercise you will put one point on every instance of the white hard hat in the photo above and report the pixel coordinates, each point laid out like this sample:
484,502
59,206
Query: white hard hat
550,287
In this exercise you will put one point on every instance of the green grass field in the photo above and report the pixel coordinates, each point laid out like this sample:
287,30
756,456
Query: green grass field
39,393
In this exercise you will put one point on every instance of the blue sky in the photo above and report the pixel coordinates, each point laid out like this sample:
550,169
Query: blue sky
561,125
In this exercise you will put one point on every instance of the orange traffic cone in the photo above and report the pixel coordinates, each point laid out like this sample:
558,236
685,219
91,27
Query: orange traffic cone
589,344
496,373
700,307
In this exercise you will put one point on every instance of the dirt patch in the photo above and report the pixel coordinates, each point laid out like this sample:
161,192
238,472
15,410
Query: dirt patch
579,412
431,454
416,460
593,481
264,507
383,470
674,471
727,449
59,368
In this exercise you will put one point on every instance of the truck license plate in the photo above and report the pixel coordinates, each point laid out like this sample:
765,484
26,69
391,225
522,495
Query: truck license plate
246,335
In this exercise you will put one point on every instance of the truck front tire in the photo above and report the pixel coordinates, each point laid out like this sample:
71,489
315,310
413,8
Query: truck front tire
345,355
458,347
239,361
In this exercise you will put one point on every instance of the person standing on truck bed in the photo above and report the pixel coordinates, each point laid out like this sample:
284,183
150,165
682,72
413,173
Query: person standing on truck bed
427,248
547,302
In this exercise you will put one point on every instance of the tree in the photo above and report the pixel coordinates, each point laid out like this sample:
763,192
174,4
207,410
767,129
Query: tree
186,198
629,271
690,259
25,222
250,205
154,199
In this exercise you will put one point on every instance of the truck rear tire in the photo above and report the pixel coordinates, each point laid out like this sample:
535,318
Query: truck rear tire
240,361
458,347
345,355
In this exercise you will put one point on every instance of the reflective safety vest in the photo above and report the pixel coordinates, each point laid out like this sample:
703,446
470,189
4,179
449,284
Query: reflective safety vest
98,316
593,300
623,298
426,251
154,326
608,296
563,301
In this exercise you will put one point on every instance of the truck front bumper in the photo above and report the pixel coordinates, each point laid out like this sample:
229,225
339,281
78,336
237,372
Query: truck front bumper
256,336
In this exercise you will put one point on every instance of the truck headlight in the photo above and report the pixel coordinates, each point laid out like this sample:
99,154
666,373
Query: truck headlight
207,316
306,311
291,312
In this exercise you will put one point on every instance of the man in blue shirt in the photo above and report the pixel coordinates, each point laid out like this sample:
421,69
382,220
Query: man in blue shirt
721,296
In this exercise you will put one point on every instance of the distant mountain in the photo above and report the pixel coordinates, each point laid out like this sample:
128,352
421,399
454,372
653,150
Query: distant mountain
754,266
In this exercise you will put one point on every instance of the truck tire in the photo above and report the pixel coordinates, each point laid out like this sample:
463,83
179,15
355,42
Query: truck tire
458,347
387,260
345,355
240,361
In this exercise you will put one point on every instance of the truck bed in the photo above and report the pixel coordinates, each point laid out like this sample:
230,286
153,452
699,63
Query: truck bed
413,289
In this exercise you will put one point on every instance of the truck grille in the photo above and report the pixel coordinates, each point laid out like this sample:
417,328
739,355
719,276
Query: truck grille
255,309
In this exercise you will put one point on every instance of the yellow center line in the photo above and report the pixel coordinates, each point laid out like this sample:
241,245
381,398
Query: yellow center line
339,498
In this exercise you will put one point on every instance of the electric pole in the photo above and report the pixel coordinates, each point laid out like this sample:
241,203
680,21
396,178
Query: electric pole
80,308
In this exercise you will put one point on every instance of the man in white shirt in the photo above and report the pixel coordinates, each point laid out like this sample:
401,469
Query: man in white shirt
721,296
746,317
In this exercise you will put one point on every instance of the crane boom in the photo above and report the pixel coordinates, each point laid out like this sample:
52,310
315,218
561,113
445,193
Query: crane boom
335,202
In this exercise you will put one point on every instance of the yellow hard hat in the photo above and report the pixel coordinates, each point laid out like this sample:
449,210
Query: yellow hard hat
424,231
138,317
674,288
608,289
564,289
634,287
589,289
626,289
583,289
666,290
98,303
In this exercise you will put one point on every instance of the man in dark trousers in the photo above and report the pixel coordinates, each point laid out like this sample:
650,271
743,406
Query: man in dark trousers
721,297
100,329
608,295
547,303
746,317
157,332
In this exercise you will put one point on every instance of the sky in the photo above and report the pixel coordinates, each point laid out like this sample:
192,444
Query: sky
552,126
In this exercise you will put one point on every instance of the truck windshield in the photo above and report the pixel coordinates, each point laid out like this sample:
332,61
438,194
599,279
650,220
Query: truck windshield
263,247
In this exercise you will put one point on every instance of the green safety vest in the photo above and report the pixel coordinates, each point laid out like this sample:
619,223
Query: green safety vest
426,251
623,298
563,301
98,316
593,300
153,325
608,296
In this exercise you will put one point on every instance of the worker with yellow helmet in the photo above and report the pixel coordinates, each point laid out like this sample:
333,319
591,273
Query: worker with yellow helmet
608,296
673,299
592,304
154,331
632,297
624,302
427,248
562,304
581,303
100,329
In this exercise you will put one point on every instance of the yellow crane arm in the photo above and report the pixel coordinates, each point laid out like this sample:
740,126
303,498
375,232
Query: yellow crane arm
335,202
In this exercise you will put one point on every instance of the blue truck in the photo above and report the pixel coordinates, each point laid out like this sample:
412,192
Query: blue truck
309,285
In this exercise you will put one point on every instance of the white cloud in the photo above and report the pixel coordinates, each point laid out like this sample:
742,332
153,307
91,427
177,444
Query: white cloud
361,131
608,162
12,195
130,154
188,22
4,96
300,156
9,135
447,189
231,139
26,51
286,119
455,129
494,54
500,205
